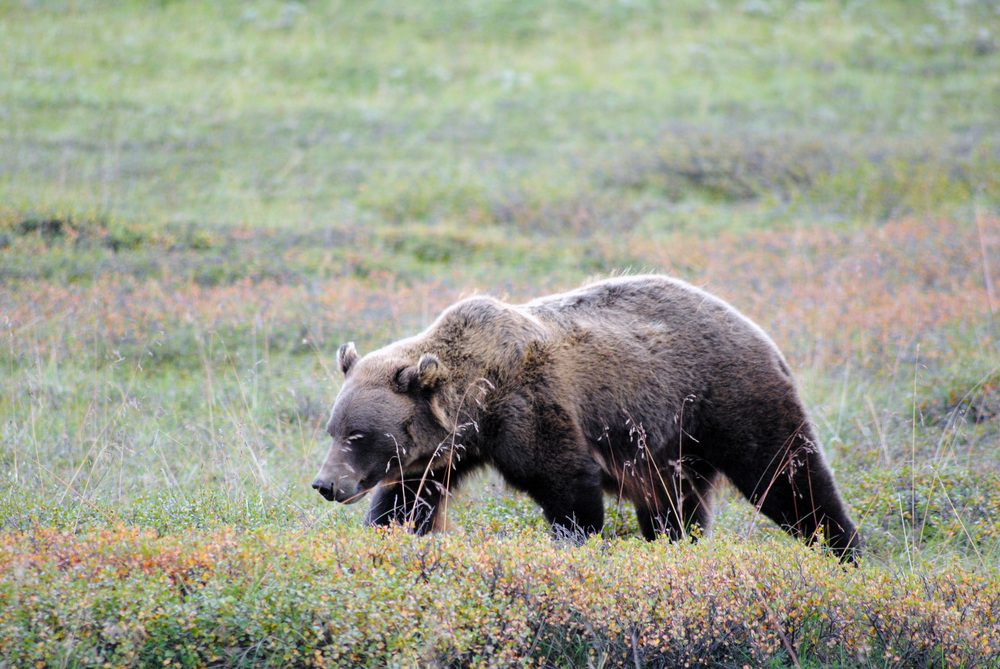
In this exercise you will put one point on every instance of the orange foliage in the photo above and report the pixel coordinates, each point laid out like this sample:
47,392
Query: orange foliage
827,296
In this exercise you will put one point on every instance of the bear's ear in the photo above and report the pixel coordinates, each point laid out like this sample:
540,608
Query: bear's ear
347,355
425,375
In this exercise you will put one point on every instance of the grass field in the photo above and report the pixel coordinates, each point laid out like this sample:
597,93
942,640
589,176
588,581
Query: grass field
200,201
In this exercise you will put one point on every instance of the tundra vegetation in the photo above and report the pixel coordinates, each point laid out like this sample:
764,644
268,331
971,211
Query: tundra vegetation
200,201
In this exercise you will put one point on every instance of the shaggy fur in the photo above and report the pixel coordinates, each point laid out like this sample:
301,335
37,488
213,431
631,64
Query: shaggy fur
643,387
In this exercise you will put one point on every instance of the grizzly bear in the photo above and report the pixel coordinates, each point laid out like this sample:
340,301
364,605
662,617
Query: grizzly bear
643,387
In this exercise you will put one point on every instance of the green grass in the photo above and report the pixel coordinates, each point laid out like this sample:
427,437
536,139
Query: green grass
268,113
200,201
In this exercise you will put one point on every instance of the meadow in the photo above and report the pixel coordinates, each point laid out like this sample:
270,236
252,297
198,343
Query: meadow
199,202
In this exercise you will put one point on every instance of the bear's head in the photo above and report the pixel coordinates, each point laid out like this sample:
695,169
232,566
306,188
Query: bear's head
388,419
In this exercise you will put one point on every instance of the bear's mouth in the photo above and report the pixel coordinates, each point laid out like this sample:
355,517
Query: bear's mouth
353,498
365,486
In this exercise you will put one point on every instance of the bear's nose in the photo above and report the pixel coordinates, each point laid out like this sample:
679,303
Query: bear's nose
323,489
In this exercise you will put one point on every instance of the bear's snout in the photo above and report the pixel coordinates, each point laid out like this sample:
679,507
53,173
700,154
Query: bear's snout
337,480
340,487
324,489
345,492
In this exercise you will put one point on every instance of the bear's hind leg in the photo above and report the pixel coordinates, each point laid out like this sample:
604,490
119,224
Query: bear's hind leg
797,491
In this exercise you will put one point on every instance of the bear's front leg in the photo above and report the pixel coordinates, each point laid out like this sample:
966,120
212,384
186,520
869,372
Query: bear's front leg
407,503
573,505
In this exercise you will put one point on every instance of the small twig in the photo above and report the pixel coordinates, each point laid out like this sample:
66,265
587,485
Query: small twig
990,295
451,451
635,651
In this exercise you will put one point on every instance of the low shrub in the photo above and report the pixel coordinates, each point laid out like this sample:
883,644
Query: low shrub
127,596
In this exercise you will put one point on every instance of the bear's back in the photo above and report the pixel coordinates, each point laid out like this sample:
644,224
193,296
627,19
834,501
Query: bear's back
660,336
642,302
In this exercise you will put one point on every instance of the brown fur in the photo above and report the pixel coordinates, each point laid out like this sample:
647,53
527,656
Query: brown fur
644,387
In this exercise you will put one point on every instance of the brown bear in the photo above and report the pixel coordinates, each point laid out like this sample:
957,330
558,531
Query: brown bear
643,387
